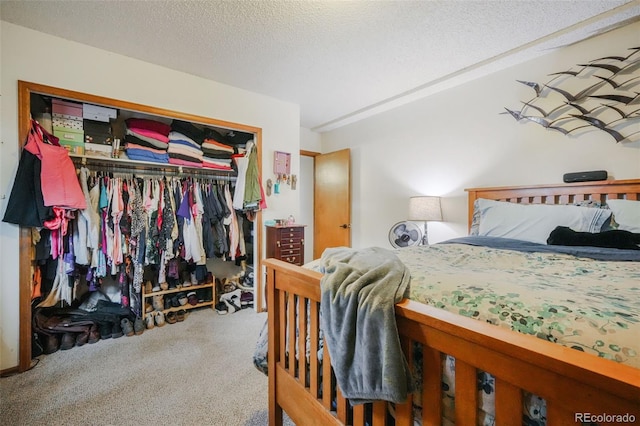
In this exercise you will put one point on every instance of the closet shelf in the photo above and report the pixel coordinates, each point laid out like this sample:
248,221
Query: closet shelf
117,164
188,307
210,303
178,289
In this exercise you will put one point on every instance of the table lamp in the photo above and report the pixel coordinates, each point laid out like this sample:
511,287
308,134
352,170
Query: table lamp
425,209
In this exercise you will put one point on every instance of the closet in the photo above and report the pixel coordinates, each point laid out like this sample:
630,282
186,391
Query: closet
35,99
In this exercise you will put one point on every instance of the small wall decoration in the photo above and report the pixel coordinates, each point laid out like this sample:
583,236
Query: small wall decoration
601,94
282,163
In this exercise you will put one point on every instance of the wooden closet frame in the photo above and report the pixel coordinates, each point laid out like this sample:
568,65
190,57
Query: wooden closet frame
25,90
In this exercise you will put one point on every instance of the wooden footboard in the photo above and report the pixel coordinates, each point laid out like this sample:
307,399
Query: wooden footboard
574,384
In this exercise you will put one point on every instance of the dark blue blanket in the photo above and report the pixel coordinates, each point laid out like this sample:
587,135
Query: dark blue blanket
596,253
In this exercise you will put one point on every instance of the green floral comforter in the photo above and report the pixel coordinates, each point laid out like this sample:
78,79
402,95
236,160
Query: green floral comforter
589,305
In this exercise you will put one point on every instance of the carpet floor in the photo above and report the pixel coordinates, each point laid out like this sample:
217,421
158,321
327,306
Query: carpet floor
196,372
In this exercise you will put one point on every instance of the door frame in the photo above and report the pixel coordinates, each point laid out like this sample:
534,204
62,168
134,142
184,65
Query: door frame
312,155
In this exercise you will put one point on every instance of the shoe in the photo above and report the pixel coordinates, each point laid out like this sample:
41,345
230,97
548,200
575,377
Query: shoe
171,318
167,302
138,326
94,334
246,299
182,299
158,302
221,308
246,281
228,286
105,330
148,288
186,279
116,331
82,337
68,341
194,279
232,300
209,278
159,319
127,327
175,302
149,321
192,298
51,343
148,307
164,286
181,315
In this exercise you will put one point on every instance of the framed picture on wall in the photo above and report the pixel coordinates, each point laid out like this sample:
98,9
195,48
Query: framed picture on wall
282,163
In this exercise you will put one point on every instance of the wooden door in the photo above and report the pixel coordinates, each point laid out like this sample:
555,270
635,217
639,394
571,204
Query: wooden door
332,199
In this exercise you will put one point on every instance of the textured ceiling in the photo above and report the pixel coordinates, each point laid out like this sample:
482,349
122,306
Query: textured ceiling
339,60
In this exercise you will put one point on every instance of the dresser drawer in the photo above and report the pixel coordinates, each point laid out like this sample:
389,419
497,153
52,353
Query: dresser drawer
291,233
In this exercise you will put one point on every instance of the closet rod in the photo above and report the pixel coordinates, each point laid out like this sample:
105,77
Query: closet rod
143,170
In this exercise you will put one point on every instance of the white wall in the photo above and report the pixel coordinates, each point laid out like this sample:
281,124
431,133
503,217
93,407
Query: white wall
457,139
33,56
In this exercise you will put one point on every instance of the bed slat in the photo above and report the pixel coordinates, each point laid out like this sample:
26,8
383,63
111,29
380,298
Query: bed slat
283,325
314,345
379,414
291,344
466,394
358,414
508,403
404,411
302,340
341,406
431,387
327,380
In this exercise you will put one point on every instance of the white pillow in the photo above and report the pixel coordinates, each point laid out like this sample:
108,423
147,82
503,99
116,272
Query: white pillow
626,213
534,222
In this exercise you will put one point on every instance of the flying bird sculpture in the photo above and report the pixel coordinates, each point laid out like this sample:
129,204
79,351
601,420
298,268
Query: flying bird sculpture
620,58
547,124
615,70
583,89
617,85
534,86
580,96
599,124
627,100
623,114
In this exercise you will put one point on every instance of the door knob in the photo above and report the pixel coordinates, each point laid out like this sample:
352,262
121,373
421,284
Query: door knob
345,225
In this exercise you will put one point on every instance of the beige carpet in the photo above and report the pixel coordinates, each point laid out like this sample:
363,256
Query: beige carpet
196,372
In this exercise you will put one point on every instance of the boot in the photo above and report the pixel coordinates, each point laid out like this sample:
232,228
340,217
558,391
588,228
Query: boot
51,343
158,302
94,334
82,337
68,341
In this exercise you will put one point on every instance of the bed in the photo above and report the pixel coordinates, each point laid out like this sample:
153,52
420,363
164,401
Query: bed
576,386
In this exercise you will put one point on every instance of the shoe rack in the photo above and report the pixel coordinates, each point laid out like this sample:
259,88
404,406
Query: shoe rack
184,289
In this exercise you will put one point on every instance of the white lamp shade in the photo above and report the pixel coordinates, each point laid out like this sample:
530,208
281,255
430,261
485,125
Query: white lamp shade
425,208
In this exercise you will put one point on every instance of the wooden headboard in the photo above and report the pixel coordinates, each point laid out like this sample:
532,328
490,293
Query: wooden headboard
558,193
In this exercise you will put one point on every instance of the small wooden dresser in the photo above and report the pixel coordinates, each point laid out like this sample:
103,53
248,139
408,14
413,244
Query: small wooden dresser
286,243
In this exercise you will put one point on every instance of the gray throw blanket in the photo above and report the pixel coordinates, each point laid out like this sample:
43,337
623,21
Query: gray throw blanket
359,291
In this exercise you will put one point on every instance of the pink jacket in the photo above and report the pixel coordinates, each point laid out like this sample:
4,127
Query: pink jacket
60,186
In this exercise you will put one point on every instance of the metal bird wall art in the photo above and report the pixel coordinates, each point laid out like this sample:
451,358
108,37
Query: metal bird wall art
601,94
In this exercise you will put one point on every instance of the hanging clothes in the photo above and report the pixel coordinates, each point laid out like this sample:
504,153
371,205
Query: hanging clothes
58,181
